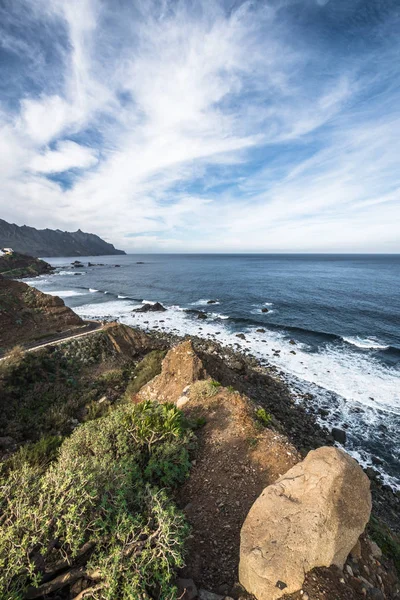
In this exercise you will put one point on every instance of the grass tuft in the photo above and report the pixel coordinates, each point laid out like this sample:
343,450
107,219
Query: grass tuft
205,388
263,417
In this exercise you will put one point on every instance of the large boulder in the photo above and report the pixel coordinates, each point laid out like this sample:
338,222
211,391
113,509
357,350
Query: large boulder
311,517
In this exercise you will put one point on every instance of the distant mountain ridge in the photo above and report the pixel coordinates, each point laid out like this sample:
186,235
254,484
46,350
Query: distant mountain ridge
50,242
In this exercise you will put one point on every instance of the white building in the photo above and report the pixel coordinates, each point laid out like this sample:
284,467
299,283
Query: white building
6,251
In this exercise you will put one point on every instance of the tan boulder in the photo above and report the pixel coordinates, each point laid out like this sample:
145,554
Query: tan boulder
311,517
180,368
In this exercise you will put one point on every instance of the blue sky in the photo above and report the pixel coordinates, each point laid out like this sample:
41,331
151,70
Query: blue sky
204,125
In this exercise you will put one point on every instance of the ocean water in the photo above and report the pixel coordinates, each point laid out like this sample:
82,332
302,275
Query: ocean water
342,312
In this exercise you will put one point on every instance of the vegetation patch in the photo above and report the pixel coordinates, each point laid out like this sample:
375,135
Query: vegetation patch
263,417
38,454
43,393
386,540
145,371
204,388
100,516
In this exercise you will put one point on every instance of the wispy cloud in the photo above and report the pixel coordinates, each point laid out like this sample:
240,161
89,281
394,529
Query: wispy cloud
197,126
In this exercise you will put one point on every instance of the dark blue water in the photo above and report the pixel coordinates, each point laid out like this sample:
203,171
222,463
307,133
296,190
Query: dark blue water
342,311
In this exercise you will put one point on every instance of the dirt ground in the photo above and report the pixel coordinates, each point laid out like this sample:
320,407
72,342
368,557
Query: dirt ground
235,461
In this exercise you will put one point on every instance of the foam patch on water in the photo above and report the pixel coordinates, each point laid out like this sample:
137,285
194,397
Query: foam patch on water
66,293
92,290
365,343
112,309
37,282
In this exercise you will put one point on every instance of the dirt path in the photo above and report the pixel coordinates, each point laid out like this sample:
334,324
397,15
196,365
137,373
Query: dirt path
87,329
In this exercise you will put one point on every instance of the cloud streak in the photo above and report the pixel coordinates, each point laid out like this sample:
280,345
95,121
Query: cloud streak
199,127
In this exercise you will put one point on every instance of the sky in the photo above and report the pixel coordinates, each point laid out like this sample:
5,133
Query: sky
204,125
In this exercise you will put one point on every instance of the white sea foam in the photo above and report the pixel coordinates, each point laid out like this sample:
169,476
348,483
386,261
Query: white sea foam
148,302
68,273
214,315
66,293
122,297
36,282
365,343
113,308
92,290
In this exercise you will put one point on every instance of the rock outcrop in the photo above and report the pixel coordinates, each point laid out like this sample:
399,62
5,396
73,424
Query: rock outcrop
147,307
180,368
311,517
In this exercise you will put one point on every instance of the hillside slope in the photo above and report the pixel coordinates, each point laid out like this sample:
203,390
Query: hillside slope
16,266
48,242
27,315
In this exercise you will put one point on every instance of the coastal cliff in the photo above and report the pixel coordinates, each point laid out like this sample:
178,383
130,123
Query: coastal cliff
17,266
49,242
27,315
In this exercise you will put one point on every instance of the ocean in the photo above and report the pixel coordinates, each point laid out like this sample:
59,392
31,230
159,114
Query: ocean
341,311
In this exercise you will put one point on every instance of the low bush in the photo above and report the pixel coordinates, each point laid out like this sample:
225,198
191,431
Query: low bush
98,514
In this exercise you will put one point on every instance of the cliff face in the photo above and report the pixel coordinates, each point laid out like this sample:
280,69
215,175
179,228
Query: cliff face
16,266
48,242
27,315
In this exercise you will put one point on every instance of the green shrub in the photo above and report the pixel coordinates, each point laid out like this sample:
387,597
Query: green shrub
263,417
99,506
215,384
144,372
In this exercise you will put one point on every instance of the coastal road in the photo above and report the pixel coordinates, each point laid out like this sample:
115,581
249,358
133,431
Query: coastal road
89,328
